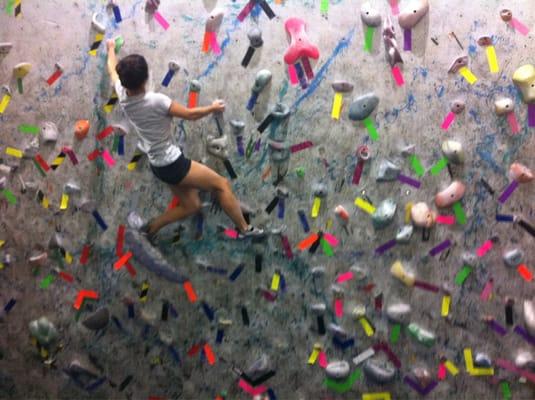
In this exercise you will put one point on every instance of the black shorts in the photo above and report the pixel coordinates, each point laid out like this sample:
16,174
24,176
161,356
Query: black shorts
173,173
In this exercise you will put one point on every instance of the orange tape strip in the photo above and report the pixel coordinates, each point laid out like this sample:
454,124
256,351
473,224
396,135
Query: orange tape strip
190,292
210,356
122,261
307,242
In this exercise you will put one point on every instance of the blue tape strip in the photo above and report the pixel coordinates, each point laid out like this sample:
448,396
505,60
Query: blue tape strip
130,311
168,78
117,14
301,76
208,311
175,355
120,147
236,273
10,304
252,101
343,345
271,394
303,219
219,337
281,209
100,220
505,218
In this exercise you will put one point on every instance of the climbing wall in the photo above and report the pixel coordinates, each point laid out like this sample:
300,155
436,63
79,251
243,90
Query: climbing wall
277,317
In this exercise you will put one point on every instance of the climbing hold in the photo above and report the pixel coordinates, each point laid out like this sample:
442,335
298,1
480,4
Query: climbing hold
422,215
217,147
388,171
213,22
529,316
393,56
453,151
97,22
342,86
484,40
5,48
384,213
452,194
421,335
300,45
512,258
337,369
504,106
81,129
43,330
403,275
399,313
413,13
524,79
363,106
255,37
457,106
380,372
369,15
458,63
506,15
520,173
482,360
97,320
404,234
21,70
524,359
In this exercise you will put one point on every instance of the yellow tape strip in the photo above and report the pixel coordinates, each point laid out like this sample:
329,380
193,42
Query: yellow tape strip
470,365
368,329
446,301
316,207
337,105
2,243
468,75
68,257
377,396
451,367
64,201
364,205
314,356
11,151
4,103
408,208
492,59
275,281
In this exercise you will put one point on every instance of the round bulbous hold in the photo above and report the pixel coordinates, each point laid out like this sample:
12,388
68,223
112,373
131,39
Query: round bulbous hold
520,173
484,40
504,106
370,16
453,151
410,16
452,194
422,215
458,63
506,15
342,86
524,79
458,106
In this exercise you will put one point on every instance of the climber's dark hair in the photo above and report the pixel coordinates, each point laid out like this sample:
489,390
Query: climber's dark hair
133,71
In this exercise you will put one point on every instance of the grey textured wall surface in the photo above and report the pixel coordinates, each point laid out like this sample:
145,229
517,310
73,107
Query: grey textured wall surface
282,326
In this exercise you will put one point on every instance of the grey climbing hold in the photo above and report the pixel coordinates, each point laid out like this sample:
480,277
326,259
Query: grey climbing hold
97,21
213,22
422,375
337,330
319,190
259,367
217,146
97,320
524,359
421,335
49,131
195,86
255,37
43,330
380,372
453,151
337,289
482,360
87,205
384,214
399,313
529,316
31,148
263,77
55,242
358,311
78,367
370,16
135,221
458,63
512,258
151,258
363,106
388,171
38,260
469,258
404,234
318,271
318,308
281,111
71,187
408,150
342,86
337,369
359,273
237,127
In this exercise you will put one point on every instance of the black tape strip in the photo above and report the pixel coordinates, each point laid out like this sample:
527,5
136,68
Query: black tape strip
95,44
509,314
245,316
230,170
272,204
527,227
267,9
258,262
487,186
426,232
125,383
315,245
165,311
265,123
263,378
247,58
321,325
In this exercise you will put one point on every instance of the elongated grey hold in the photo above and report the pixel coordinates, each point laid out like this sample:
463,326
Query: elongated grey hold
529,316
388,171
398,312
404,234
363,106
360,358
379,372
262,79
98,320
319,308
359,273
512,258
151,258
337,369
237,127
318,271
281,111
337,330
77,367
384,214
255,37
342,86
259,367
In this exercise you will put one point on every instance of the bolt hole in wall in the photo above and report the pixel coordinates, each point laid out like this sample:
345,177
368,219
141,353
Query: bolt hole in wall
396,259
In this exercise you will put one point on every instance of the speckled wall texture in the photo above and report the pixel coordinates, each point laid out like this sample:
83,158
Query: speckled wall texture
258,312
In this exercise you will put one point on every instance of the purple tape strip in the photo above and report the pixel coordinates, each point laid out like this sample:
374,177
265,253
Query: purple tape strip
384,247
531,115
382,346
407,39
500,330
426,286
422,390
287,247
409,181
440,248
246,10
522,332
508,192
308,68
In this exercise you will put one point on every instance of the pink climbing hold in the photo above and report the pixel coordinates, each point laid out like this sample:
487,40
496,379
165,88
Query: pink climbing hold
300,45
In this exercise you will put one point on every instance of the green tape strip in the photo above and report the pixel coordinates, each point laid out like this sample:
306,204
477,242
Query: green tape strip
459,213
39,168
300,172
370,125
394,333
115,145
327,249
462,275
19,85
119,41
417,166
30,129
368,39
8,194
439,166
506,390
324,6
47,280
9,6
342,387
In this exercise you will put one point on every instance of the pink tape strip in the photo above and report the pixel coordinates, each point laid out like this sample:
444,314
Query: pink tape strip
513,368
292,73
398,76
108,158
213,43
519,27
485,248
445,219
448,120
346,276
487,291
513,122
323,360
253,391
331,239
394,7
161,20
441,375
339,308
231,233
